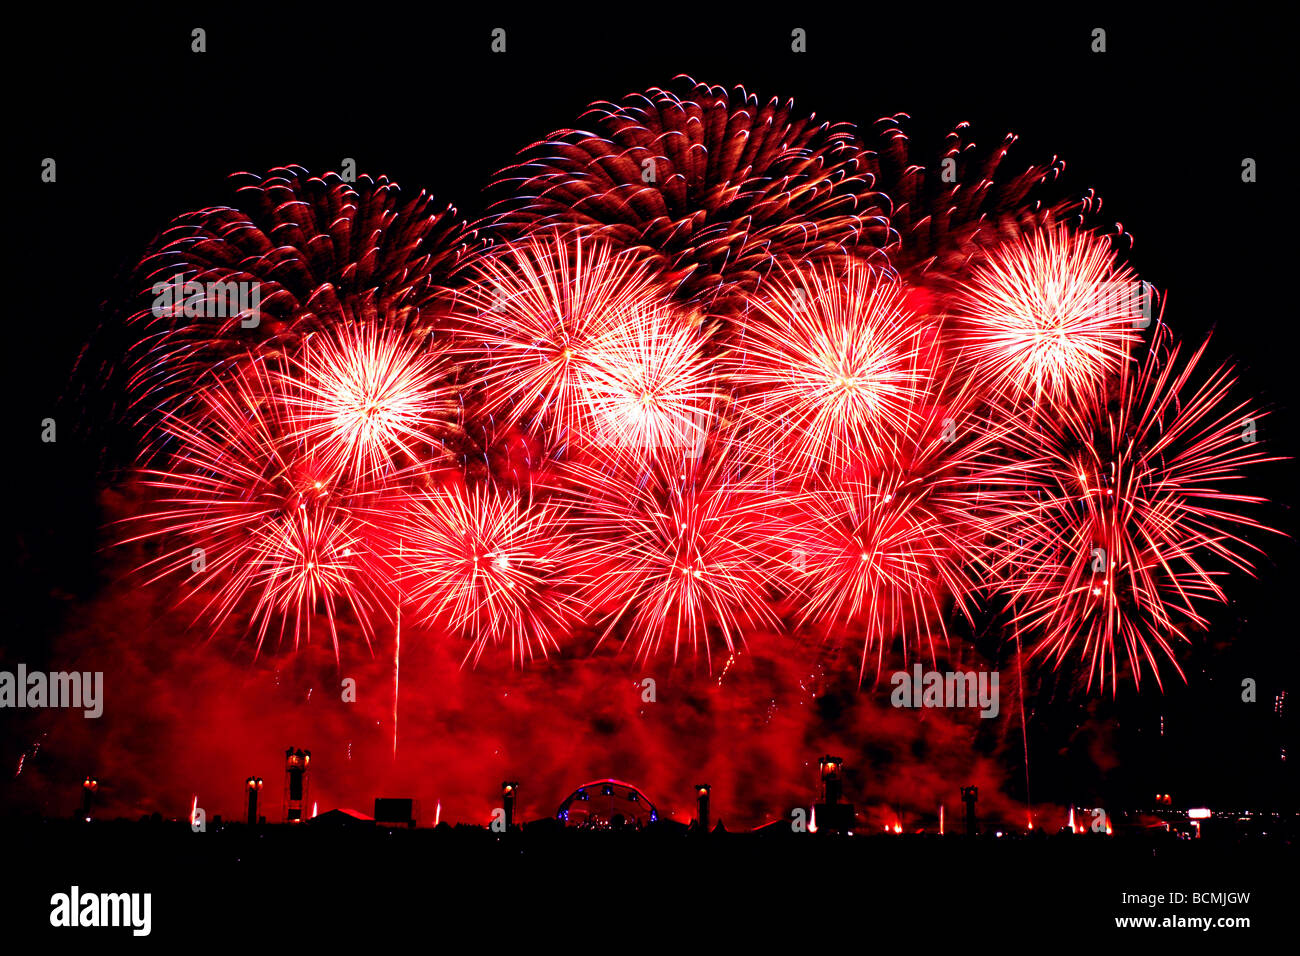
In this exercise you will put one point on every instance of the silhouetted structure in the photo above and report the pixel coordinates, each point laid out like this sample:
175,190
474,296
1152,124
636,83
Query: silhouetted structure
88,788
252,787
968,796
395,811
509,792
296,764
608,804
833,815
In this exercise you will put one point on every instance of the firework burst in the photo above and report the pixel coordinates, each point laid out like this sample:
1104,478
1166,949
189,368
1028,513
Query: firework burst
264,528
710,185
647,387
1109,557
731,361
490,566
368,397
530,324
679,553
831,369
298,253
949,210
1049,317
882,553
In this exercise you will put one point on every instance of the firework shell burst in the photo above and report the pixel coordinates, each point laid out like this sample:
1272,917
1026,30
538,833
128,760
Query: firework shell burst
679,554
832,367
881,553
315,249
1049,317
368,397
529,328
710,185
949,209
255,521
487,565
1129,520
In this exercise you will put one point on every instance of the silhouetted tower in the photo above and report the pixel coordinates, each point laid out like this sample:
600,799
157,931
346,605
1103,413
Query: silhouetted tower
253,788
509,792
88,788
968,796
296,763
702,806
833,815
832,770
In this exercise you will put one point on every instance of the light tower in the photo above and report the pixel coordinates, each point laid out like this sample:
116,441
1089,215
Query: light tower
509,793
88,788
832,815
702,806
831,769
969,795
296,764
252,788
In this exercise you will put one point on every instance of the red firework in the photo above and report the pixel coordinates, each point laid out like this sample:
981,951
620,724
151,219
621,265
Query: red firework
530,324
770,382
647,388
884,552
711,185
262,525
1110,555
298,252
831,369
680,553
490,566
1048,318
367,397
949,210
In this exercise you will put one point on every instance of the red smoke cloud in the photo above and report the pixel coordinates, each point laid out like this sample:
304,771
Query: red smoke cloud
183,716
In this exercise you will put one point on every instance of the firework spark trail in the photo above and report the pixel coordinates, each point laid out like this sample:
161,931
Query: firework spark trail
1107,561
1024,730
397,653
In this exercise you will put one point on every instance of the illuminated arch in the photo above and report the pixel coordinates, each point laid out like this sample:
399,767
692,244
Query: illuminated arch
607,804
